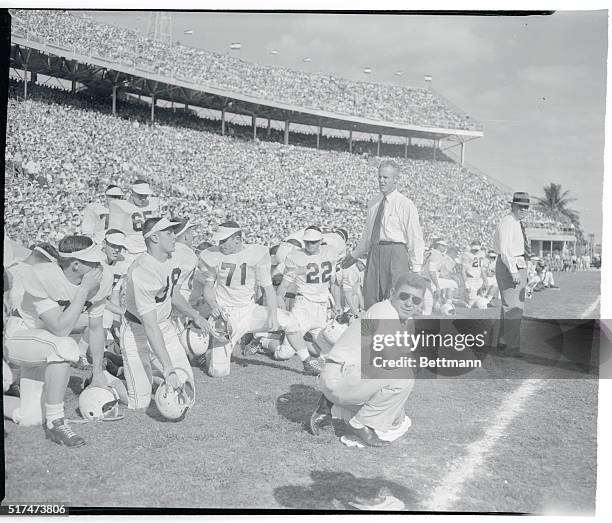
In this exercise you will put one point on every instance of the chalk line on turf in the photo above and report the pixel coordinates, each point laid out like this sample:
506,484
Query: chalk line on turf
587,312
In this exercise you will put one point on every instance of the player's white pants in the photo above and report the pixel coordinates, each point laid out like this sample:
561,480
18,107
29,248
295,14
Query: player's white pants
139,360
250,318
447,283
307,316
473,285
35,347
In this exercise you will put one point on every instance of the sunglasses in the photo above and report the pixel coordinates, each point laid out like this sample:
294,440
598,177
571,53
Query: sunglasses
405,296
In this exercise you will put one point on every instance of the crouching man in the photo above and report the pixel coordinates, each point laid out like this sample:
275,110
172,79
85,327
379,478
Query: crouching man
373,409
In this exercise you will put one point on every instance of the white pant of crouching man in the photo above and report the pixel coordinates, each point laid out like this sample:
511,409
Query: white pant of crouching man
39,354
140,364
378,404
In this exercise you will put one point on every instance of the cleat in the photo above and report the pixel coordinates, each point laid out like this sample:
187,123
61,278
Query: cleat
252,348
62,434
312,366
321,415
200,361
367,436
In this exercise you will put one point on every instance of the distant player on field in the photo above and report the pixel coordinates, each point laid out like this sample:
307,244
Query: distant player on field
129,215
311,270
233,272
474,272
96,215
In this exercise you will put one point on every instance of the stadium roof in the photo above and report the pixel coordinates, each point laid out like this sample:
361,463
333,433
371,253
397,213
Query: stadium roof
100,75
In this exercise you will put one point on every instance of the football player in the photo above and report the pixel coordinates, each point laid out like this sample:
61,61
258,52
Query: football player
96,215
129,216
56,296
232,273
311,270
474,272
148,338
439,266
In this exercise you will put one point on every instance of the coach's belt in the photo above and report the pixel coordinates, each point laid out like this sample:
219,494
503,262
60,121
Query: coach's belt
130,317
391,243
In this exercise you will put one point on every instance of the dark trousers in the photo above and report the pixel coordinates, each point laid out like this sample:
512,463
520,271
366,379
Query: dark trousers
385,263
513,303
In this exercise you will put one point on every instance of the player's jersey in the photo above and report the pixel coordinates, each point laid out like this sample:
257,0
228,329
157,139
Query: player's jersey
237,276
187,260
95,221
472,263
312,273
48,288
119,269
129,218
150,285
20,272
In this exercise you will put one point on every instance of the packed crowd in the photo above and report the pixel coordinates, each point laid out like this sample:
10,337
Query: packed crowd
61,152
386,102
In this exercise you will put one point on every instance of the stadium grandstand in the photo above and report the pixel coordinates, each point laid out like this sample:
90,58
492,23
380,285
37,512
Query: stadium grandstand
66,143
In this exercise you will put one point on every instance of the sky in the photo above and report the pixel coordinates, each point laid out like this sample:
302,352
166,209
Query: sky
537,83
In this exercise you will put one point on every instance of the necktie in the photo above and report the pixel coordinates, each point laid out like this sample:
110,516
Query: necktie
377,222
526,242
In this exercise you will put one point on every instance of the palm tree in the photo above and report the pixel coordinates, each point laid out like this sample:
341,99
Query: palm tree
556,203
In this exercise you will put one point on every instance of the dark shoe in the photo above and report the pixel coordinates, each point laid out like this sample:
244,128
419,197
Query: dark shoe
501,346
254,347
514,352
312,367
62,434
321,415
13,390
367,436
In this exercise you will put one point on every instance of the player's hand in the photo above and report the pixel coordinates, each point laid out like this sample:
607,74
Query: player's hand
91,281
202,324
217,312
516,279
347,261
174,380
337,311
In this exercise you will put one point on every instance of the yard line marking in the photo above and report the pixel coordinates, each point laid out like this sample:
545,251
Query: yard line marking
591,307
465,467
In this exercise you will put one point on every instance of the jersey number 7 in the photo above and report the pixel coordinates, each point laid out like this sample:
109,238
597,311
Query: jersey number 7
232,268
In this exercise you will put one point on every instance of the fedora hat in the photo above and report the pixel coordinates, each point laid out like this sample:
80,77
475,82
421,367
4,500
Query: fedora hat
521,198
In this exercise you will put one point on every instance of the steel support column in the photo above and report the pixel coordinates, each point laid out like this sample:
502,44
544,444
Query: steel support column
286,132
351,141
254,122
152,108
223,122
319,135
462,153
406,148
269,127
378,146
25,82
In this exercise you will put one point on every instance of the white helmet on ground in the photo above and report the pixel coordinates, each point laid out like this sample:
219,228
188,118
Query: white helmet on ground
173,404
326,339
481,302
99,403
194,341
448,308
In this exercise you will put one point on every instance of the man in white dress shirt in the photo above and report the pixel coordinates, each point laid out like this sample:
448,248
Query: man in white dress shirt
392,238
513,251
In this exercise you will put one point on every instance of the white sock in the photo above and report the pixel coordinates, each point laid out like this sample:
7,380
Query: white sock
53,412
356,424
30,411
303,354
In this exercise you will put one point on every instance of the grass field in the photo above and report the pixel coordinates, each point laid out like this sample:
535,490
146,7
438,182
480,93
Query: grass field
508,444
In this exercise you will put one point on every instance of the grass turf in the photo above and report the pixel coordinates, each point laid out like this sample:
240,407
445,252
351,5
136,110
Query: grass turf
244,445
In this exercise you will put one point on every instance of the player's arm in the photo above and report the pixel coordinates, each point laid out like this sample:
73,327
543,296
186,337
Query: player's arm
61,322
413,236
263,273
289,275
336,292
97,339
156,340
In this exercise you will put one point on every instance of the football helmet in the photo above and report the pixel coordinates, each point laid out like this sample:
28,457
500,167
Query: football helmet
220,329
173,404
326,339
481,302
99,404
448,309
194,341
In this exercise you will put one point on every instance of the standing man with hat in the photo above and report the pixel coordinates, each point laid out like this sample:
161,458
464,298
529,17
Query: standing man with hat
392,237
513,249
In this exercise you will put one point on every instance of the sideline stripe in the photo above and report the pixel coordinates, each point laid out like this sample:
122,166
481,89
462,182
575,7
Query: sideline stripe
591,308
464,468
